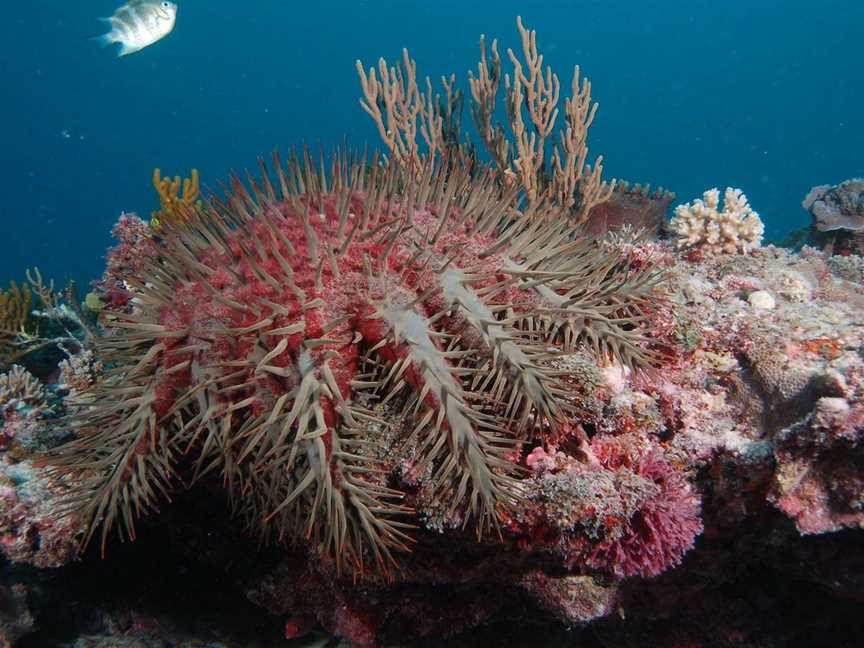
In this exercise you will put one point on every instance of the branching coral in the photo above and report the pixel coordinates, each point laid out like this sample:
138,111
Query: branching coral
700,224
269,333
19,389
562,181
175,206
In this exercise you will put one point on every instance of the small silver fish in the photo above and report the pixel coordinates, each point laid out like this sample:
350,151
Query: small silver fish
139,23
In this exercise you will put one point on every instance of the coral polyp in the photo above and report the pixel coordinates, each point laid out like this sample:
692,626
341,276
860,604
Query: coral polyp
276,333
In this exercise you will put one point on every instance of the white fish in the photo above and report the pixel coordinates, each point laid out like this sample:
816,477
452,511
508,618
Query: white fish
139,23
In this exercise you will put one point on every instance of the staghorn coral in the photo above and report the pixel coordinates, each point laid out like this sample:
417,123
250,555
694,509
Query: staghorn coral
700,224
271,334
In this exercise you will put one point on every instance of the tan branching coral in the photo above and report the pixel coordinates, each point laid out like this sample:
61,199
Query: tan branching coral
48,297
561,181
404,105
701,224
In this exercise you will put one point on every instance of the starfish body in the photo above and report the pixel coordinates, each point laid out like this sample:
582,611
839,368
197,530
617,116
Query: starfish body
270,332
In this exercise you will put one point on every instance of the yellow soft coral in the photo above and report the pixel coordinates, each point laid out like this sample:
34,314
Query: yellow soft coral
15,306
175,207
16,335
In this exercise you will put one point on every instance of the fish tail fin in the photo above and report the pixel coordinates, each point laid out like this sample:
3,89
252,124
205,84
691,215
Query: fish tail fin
104,40
112,36
126,49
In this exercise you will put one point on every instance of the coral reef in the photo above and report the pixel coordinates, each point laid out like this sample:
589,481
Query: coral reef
702,225
36,321
31,530
411,402
20,390
820,475
15,306
626,511
756,412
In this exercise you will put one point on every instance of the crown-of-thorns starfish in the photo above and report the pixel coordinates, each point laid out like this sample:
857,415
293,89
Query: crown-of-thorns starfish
268,331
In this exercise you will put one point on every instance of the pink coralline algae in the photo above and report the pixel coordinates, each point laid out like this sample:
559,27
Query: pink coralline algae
31,531
656,536
626,512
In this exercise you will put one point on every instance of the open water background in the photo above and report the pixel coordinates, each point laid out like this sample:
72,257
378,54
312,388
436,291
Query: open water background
766,95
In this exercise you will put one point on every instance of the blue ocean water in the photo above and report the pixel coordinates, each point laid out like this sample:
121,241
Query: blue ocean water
767,96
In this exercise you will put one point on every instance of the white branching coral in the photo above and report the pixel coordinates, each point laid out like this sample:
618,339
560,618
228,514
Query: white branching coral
19,389
736,229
